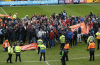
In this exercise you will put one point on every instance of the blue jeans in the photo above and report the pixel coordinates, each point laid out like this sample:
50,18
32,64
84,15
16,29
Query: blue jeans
34,40
20,37
4,49
52,42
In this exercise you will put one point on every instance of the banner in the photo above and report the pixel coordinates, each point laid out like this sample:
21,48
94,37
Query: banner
96,1
89,1
28,2
84,30
75,1
61,1
82,1
29,47
68,1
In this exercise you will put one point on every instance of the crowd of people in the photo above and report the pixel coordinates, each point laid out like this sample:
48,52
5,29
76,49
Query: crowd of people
49,29
47,32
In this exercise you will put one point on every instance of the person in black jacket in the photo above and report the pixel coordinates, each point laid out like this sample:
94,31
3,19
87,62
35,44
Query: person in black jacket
21,31
75,37
33,34
30,35
62,55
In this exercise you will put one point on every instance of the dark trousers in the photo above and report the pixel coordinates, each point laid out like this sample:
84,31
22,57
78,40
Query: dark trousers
42,53
18,54
1,39
62,45
66,54
63,61
98,44
9,58
38,50
91,54
70,42
75,40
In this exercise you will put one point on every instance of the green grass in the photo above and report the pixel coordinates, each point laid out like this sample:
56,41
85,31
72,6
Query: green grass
53,54
77,56
71,9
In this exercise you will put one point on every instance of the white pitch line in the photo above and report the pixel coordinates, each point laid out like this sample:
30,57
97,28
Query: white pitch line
54,60
47,62
42,58
3,10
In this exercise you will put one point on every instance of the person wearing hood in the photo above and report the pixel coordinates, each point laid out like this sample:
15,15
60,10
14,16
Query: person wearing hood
5,45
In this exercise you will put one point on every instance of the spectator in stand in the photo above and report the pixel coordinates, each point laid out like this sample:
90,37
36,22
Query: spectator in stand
5,45
51,39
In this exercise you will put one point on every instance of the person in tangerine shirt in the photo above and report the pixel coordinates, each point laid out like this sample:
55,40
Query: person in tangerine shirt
0,19
5,45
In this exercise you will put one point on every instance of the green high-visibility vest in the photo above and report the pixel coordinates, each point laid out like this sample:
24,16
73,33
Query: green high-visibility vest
10,50
39,42
14,16
17,49
62,39
42,47
90,38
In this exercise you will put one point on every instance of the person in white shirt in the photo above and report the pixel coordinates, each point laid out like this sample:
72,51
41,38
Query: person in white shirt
40,33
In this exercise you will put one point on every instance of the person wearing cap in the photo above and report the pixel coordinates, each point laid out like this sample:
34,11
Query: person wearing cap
5,45
10,52
98,38
42,50
62,40
66,47
39,41
62,56
17,51
91,48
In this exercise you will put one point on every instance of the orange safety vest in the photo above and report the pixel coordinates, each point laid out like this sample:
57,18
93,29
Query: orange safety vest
91,46
98,35
0,20
66,46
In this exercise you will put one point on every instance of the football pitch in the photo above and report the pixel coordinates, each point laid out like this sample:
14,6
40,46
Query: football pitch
77,55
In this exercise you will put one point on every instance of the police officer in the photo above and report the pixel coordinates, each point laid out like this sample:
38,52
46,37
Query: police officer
10,52
92,49
42,50
17,51
98,38
62,40
66,47
90,38
62,55
39,41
